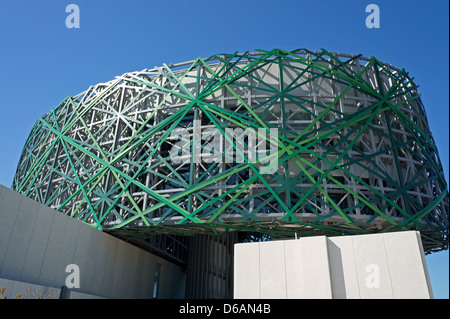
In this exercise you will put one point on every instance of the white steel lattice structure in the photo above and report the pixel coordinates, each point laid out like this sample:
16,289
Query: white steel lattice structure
354,153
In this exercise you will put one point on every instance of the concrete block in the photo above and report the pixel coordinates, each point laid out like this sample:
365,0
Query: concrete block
246,274
61,250
100,263
138,270
407,273
20,239
9,208
424,264
148,277
54,252
382,266
120,274
316,273
372,267
130,272
295,286
344,280
272,270
85,257
38,245
172,283
112,247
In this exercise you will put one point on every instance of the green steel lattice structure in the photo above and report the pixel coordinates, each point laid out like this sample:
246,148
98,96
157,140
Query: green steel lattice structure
354,150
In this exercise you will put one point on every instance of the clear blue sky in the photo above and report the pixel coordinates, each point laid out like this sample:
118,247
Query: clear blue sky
42,61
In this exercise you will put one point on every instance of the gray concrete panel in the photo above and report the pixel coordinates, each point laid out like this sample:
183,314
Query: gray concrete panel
100,264
246,271
172,284
38,243
372,267
315,266
424,265
295,286
112,248
54,252
85,257
382,266
148,277
344,277
406,269
272,268
121,273
9,208
20,239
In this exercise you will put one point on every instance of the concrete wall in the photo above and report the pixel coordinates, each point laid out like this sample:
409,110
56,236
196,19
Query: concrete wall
37,243
385,266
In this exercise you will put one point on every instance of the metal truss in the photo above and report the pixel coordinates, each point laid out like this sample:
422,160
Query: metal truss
355,154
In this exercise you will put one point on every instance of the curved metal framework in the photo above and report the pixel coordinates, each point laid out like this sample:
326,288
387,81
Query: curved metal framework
353,148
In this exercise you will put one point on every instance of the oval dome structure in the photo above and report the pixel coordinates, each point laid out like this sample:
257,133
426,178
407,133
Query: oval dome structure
277,142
